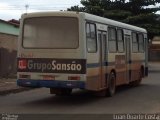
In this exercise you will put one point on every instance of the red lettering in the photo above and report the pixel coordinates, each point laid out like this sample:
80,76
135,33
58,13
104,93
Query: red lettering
22,64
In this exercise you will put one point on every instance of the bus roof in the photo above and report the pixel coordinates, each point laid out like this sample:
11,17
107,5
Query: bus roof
87,16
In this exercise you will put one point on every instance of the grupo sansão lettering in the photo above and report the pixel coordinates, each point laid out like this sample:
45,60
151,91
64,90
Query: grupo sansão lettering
73,66
54,65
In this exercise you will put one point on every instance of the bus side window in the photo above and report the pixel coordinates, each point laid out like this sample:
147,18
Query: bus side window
87,30
141,42
112,39
134,42
120,40
91,37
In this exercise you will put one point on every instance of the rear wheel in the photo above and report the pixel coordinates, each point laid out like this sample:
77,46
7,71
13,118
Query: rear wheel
61,91
111,85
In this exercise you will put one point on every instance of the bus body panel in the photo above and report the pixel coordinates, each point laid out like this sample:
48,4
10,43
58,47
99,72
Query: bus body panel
41,63
97,65
114,61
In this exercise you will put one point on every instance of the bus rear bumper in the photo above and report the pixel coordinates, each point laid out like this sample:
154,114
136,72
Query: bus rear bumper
51,83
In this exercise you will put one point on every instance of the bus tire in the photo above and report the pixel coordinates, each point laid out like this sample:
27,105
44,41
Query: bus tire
111,84
61,91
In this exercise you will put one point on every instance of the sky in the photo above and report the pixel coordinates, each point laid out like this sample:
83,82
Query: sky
12,9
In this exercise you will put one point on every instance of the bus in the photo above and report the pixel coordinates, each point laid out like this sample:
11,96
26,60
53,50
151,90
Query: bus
75,50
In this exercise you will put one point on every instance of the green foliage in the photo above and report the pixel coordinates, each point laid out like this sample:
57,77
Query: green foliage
135,12
118,15
77,8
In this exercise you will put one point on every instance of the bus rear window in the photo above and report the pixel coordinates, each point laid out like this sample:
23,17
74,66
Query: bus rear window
50,32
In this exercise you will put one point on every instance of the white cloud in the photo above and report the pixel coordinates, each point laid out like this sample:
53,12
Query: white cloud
8,14
12,9
4,5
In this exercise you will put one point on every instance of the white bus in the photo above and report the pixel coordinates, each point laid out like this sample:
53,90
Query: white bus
67,50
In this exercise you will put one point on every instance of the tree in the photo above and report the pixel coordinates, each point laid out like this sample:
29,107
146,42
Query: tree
76,8
135,12
144,16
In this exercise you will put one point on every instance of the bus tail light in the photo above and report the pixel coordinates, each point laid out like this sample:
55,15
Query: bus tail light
74,77
22,76
48,77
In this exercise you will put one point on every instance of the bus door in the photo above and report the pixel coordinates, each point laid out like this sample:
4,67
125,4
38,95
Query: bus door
146,54
128,57
102,37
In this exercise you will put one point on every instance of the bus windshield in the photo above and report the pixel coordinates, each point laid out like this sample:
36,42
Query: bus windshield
50,32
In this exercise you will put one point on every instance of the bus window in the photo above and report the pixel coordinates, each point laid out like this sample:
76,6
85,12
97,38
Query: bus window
87,30
120,40
105,44
91,37
93,31
112,39
51,32
134,42
141,42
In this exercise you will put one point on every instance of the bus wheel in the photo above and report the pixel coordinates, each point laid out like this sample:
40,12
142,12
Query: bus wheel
60,91
111,85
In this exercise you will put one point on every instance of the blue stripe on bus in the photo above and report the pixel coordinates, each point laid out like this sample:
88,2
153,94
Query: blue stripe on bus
51,83
93,65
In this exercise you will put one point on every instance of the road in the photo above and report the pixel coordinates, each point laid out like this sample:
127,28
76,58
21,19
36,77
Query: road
142,99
